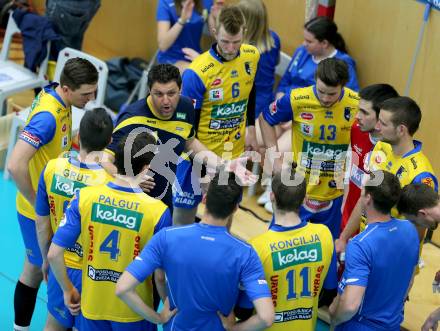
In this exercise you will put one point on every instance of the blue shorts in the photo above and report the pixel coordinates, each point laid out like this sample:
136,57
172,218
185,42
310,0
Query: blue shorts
55,298
99,325
186,189
29,233
323,212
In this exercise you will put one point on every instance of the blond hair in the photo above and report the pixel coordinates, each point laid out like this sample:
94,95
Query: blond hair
257,30
232,20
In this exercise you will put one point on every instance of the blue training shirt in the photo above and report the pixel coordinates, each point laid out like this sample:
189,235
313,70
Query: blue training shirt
189,36
204,266
302,67
265,77
382,259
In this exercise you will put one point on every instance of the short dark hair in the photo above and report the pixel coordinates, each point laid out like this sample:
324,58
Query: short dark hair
231,18
405,111
139,141
323,28
95,130
223,198
288,198
78,71
377,94
332,72
415,197
386,194
164,73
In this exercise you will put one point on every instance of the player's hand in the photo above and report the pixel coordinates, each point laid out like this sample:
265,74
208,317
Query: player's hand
45,269
190,54
251,139
217,6
340,245
430,324
228,322
72,300
187,10
238,166
147,184
166,313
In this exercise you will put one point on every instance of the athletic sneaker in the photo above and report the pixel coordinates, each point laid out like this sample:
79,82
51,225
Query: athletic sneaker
264,198
268,207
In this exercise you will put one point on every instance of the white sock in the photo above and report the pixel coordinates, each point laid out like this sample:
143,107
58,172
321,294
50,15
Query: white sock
21,328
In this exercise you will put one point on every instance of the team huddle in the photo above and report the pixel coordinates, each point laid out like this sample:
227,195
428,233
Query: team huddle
112,228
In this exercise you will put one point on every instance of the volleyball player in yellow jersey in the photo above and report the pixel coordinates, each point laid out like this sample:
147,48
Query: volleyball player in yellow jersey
46,135
58,182
114,223
398,153
298,257
221,84
322,116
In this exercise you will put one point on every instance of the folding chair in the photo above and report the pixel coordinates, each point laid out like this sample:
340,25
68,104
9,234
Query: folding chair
14,77
77,113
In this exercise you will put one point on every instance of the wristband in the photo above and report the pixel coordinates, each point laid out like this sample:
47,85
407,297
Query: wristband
181,21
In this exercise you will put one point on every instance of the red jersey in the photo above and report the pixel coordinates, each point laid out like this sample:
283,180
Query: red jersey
361,145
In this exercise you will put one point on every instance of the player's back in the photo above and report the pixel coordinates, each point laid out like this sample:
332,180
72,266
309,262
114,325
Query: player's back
203,265
389,252
116,223
296,261
62,177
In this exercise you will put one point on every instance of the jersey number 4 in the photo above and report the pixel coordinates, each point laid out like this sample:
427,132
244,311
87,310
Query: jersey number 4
110,245
304,274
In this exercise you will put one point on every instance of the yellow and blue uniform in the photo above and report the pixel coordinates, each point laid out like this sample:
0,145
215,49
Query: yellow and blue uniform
172,135
58,182
114,223
320,139
412,167
48,129
220,91
298,262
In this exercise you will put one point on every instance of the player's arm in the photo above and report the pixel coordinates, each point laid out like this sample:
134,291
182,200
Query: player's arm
253,280
202,154
347,172
44,228
262,319
126,291
251,134
143,266
279,111
431,322
345,306
350,229
108,159
66,236
18,167
159,279
39,131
